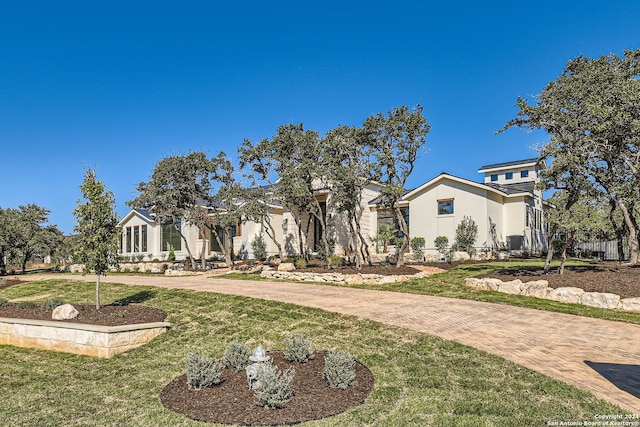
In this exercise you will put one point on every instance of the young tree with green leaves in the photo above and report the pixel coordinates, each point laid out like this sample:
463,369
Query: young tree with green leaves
97,228
466,236
396,140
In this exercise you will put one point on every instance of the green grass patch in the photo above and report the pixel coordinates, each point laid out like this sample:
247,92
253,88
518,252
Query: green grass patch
420,380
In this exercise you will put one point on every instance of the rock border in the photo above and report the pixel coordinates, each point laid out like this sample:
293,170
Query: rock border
344,279
541,289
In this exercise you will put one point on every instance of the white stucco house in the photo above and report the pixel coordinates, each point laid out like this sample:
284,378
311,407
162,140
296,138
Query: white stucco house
506,206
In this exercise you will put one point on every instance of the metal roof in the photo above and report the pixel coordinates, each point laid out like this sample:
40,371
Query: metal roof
509,164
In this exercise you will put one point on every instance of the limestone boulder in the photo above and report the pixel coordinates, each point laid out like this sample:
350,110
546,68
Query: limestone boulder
513,287
536,288
286,266
600,299
567,294
630,304
64,312
353,279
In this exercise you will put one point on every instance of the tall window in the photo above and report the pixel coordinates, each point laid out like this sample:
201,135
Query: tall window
215,247
128,239
143,231
445,207
170,238
136,239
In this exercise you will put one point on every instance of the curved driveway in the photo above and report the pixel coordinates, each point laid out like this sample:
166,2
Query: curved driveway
596,355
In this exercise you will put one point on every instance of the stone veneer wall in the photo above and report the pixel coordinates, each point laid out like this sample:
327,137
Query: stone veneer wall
541,289
77,338
349,279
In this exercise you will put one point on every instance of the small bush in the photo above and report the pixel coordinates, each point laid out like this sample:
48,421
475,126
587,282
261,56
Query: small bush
26,304
298,349
202,371
4,302
417,246
236,356
52,304
172,255
275,386
337,261
259,248
300,263
339,370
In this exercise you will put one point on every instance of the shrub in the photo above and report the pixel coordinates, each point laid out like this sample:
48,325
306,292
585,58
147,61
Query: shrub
236,356
202,371
172,255
441,243
259,247
337,261
4,302
52,304
417,246
275,386
300,263
466,235
339,370
26,304
298,349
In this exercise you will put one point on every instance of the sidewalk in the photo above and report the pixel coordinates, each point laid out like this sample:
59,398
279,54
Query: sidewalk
595,355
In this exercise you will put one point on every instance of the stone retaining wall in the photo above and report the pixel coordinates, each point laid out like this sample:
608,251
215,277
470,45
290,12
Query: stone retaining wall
541,289
348,279
77,338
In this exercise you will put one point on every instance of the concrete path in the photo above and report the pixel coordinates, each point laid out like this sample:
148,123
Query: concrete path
598,356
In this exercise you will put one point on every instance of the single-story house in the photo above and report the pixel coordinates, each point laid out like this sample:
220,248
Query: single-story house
507,208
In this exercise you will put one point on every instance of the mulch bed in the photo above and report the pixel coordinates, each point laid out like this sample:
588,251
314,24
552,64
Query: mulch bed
108,315
232,402
615,278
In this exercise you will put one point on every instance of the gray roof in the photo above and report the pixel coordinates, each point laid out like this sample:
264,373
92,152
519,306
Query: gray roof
509,164
146,214
521,187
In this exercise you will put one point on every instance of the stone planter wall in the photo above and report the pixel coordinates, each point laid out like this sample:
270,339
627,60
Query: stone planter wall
349,279
77,338
541,289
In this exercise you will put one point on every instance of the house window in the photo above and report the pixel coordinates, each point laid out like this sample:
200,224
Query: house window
445,207
136,239
143,231
524,174
170,238
215,246
494,177
508,175
128,239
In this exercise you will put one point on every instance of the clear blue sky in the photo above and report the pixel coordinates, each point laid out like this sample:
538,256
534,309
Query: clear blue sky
117,86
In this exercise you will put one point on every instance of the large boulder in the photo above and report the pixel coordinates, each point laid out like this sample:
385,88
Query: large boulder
600,299
568,294
630,304
64,312
536,288
286,266
513,287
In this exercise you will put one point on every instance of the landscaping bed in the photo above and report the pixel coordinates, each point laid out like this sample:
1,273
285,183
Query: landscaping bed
610,277
232,402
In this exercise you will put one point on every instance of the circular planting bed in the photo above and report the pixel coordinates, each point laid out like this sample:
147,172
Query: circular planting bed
232,402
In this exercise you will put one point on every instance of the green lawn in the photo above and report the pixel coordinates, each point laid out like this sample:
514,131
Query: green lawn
420,380
451,284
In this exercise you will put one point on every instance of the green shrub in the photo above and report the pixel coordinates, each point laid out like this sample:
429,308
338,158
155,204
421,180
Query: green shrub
26,304
202,371
298,349
4,302
172,255
259,248
337,261
417,246
275,386
339,370
236,356
300,263
52,304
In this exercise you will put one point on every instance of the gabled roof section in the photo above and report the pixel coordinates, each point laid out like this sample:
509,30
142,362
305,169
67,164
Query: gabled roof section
517,188
142,213
509,165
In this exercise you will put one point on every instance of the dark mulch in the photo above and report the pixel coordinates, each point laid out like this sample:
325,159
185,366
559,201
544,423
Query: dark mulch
620,279
108,315
5,283
233,403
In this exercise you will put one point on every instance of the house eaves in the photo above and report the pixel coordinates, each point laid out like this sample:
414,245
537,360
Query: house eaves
509,165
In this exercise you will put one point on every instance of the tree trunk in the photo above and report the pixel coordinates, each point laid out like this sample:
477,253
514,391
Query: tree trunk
564,258
186,246
405,242
3,265
203,252
354,239
228,252
547,261
271,232
633,233
97,292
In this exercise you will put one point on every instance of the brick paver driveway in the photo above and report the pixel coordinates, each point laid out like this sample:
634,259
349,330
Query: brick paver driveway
595,355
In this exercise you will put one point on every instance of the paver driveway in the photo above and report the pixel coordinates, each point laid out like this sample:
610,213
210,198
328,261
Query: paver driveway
596,355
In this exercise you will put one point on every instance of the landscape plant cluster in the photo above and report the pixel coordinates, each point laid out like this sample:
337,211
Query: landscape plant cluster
274,390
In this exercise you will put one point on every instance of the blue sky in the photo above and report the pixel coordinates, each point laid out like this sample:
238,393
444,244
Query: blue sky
117,86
